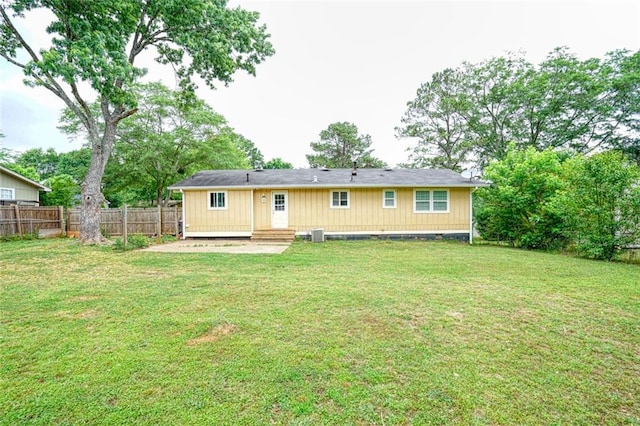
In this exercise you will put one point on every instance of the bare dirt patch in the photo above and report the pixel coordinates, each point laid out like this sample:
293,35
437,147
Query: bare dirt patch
213,334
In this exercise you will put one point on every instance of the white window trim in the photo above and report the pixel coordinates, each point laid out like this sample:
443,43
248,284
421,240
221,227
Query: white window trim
12,191
431,211
331,199
226,200
384,199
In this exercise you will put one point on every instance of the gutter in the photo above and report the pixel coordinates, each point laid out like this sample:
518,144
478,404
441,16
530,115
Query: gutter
471,214
184,215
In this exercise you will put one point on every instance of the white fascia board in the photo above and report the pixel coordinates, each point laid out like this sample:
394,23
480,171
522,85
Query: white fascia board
325,186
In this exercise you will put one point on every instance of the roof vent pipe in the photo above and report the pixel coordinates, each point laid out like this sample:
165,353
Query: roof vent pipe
354,172
247,177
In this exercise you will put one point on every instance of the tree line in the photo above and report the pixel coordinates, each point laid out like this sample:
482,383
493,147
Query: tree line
149,136
471,114
168,139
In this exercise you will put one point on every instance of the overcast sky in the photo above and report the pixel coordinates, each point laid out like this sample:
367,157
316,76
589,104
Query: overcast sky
356,61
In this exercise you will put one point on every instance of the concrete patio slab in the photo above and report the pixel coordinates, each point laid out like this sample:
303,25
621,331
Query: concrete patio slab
219,246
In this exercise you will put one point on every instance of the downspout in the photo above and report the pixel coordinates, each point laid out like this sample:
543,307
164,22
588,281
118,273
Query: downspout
252,212
184,215
471,214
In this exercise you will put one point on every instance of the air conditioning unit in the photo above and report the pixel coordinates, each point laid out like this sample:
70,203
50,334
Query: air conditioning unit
317,235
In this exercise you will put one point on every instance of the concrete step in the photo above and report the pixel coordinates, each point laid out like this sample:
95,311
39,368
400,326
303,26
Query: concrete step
279,235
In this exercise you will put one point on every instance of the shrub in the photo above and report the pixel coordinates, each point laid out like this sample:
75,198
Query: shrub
518,207
135,241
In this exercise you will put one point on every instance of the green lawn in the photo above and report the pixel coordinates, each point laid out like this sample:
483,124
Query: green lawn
371,332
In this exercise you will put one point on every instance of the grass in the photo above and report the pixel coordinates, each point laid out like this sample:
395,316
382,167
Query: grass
372,332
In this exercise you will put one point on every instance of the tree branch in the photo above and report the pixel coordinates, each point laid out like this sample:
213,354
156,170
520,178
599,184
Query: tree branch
12,61
18,36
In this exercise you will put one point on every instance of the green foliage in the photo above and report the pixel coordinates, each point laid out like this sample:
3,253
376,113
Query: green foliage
44,162
602,203
437,117
92,52
169,138
519,206
253,156
29,172
49,163
340,145
64,191
74,163
277,163
473,112
134,242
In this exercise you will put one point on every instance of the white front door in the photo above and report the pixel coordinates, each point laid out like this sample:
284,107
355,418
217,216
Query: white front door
279,210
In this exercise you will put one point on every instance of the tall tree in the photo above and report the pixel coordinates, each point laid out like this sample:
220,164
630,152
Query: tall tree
277,163
566,103
340,145
492,112
97,43
45,162
253,156
437,118
169,138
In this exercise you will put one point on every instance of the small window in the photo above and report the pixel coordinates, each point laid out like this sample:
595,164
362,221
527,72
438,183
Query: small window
6,193
431,201
340,199
423,201
440,201
389,199
218,200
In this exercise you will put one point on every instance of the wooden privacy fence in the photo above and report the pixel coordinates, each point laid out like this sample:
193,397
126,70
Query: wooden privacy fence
145,221
41,221
24,220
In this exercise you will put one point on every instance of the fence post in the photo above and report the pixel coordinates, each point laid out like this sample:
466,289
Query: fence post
176,222
125,234
61,217
159,233
18,223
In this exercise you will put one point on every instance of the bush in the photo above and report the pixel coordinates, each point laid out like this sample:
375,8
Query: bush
602,204
135,241
518,207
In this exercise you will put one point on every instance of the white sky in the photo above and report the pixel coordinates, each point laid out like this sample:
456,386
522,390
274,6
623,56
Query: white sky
356,61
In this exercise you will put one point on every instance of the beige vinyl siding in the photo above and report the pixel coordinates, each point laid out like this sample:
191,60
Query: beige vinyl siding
236,217
311,208
23,190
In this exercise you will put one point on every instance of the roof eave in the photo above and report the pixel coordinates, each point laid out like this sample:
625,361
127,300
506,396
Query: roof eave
327,186
25,179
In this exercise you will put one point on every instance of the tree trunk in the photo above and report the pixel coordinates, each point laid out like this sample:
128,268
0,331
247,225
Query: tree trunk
92,198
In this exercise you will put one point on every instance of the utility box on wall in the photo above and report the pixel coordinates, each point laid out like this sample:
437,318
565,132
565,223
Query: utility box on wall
317,235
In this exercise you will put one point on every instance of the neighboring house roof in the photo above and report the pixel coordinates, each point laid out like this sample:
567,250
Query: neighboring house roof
326,178
24,179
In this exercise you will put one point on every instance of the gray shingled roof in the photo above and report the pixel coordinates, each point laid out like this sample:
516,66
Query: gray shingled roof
307,178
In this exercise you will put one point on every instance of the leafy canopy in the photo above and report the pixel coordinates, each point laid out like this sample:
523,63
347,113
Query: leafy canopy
340,145
471,114
518,207
96,44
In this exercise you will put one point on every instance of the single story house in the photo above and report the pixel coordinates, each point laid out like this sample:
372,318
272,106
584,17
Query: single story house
342,203
17,189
